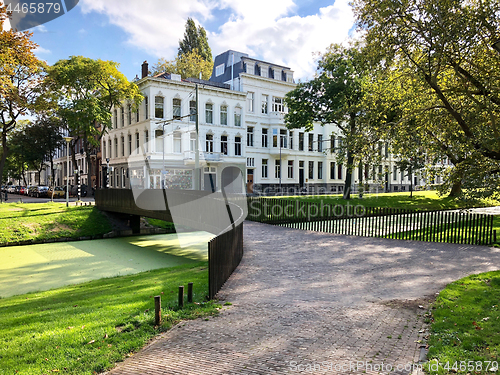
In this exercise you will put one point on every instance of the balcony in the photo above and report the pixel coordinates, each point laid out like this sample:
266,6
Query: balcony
207,156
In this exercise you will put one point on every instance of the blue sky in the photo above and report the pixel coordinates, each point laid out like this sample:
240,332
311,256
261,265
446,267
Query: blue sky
288,32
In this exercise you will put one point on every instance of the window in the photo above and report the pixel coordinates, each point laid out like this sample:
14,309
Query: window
192,110
146,107
320,170
277,168
137,143
301,141
332,170
290,168
265,99
250,162
159,140
264,168
176,103
223,144
250,136
386,150
116,148
311,170
129,110
124,175
278,104
123,145
283,138
250,98
158,107
104,150
291,140
264,138
146,141
192,141
137,117
209,144
130,144
116,119
332,144
339,174
311,141
275,137
237,116
320,143
123,116
223,114
209,112
394,173
219,70
110,150
177,142
237,146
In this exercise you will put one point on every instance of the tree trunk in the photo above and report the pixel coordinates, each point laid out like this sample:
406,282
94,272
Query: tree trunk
456,189
5,152
348,175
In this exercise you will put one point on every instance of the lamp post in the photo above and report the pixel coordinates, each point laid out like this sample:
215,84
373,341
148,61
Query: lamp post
68,140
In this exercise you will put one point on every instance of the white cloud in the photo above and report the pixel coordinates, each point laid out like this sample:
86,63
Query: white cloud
40,50
40,29
265,29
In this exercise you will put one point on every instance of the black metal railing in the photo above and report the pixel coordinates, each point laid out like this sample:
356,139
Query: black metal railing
451,226
224,254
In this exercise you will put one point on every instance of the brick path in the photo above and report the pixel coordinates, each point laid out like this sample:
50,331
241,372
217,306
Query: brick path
306,302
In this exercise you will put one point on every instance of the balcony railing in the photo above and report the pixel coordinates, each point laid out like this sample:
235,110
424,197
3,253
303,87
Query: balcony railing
208,156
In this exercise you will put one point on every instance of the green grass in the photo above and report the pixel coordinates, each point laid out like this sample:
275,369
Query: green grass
41,221
466,323
421,200
86,328
161,224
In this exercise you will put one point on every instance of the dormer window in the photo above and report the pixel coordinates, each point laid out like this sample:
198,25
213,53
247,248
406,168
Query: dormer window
219,70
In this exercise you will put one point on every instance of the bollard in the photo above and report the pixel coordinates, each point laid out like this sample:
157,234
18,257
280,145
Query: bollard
157,310
494,236
181,296
190,292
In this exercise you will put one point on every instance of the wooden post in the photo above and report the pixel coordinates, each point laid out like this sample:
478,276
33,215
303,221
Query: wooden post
181,296
190,292
157,310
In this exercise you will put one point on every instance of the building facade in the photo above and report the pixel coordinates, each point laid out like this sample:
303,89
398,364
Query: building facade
154,146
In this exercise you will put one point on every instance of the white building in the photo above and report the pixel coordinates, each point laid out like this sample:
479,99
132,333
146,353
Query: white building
161,135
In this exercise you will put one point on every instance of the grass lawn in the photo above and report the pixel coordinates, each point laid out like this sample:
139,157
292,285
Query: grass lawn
466,326
422,200
86,328
38,267
30,221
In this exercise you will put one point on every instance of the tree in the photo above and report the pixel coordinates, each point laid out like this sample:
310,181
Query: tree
21,74
86,90
195,39
35,143
337,96
441,50
188,65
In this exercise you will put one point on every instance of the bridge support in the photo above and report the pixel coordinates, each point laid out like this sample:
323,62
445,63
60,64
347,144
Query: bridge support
135,224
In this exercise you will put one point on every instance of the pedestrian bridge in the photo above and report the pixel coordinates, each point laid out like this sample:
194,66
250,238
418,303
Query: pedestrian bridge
200,210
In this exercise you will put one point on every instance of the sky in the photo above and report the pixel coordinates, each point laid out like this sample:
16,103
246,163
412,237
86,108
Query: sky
285,32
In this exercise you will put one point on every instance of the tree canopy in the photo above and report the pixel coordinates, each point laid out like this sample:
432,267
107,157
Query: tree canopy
21,74
188,65
337,96
439,57
195,39
86,90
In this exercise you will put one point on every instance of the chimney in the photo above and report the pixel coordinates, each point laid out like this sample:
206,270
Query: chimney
145,67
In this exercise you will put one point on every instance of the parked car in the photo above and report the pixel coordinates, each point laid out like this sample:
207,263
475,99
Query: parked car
22,189
26,191
31,191
11,189
41,191
58,192
74,190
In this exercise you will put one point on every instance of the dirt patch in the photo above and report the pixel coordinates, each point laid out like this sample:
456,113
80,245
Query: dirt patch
419,304
33,227
60,228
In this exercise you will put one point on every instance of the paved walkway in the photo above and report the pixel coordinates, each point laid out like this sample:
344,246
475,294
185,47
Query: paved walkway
306,302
